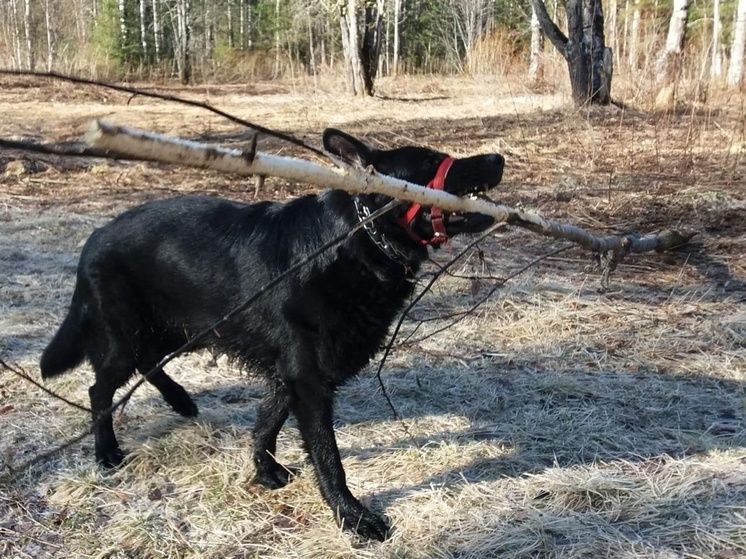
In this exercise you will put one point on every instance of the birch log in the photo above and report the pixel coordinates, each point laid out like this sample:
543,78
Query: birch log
145,145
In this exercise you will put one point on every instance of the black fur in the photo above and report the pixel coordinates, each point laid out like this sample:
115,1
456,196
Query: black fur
161,272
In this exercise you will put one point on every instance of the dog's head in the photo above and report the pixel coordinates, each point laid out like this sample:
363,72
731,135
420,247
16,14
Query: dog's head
423,166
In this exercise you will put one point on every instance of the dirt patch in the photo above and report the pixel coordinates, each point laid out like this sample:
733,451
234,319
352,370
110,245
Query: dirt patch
552,421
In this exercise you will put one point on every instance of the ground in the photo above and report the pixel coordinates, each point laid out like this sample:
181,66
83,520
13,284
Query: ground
553,421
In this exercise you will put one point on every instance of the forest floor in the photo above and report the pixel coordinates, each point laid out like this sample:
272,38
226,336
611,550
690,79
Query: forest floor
555,421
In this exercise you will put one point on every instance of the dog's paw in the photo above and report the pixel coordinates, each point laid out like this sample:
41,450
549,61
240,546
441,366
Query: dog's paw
109,457
274,476
186,407
181,402
356,518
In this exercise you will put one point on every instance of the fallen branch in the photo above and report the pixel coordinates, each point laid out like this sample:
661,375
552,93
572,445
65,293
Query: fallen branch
140,144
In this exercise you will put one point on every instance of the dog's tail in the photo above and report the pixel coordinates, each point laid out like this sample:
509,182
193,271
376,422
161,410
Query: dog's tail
66,350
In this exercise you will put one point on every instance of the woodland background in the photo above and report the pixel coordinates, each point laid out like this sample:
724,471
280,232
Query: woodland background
221,41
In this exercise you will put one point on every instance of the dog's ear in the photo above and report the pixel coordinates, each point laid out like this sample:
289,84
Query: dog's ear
349,149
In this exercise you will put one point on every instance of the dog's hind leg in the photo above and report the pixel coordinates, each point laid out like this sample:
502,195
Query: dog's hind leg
113,364
273,411
149,354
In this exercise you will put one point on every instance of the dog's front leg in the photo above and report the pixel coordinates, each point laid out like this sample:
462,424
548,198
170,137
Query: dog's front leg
312,406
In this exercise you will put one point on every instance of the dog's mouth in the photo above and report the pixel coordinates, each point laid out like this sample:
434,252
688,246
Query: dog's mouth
472,177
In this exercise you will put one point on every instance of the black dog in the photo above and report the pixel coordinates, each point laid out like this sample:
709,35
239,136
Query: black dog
163,271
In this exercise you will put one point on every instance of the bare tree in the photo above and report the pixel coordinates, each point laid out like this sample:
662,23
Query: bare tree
588,59
669,62
143,32
182,26
157,32
397,38
716,60
361,54
634,37
29,32
123,35
735,69
536,65
15,33
50,19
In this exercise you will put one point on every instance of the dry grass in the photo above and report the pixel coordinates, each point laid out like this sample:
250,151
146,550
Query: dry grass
554,422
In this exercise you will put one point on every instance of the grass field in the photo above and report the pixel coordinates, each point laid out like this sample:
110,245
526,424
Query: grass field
555,421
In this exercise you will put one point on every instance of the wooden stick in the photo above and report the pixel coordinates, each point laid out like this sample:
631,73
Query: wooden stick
141,144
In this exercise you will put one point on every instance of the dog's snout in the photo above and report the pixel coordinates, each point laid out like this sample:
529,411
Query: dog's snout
496,159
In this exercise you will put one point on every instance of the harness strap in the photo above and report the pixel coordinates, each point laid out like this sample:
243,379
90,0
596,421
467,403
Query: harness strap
440,235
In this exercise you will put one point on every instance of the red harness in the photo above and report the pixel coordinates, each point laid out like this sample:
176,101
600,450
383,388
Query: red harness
436,215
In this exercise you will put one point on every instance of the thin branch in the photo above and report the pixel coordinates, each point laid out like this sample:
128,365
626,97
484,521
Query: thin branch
463,314
443,269
553,33
144,93
16,370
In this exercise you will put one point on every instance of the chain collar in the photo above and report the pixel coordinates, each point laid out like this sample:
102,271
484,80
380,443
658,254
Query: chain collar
377,236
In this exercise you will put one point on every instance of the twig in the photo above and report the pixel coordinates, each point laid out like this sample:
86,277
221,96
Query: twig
463,314
24,375
411,305
144,93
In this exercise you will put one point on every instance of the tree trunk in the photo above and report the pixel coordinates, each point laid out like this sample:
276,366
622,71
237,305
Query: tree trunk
589,61
716,61
277,38
371,47
143,33
351,48
49,18
735,69
535,67
17,56
229,13
30,58
612,25
669,63
183,31
157,32
634,37
397,41
122,29
311,50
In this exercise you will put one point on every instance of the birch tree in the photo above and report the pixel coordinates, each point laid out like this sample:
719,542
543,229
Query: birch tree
535,67
634,37
29,32
716,60
735,69
361,53
397,38
669,62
